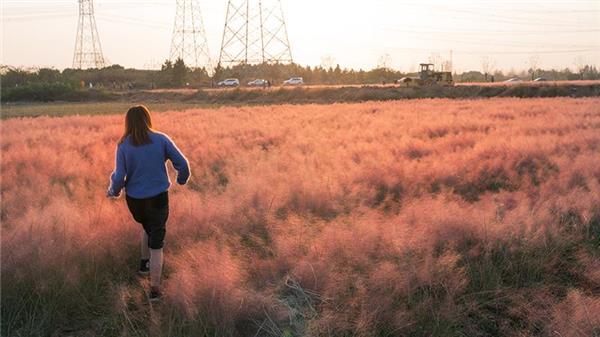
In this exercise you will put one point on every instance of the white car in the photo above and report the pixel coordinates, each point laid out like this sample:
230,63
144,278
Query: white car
513,80
405,80
540,79
230,82
294,81
259,82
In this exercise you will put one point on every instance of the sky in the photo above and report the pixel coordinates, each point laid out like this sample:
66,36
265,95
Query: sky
353,33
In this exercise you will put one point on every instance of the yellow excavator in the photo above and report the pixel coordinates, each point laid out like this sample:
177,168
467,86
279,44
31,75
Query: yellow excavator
428,77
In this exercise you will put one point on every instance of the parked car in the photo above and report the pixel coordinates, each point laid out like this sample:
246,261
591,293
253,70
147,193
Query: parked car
230,82
294,81
259,82
405,80
513,80
540,79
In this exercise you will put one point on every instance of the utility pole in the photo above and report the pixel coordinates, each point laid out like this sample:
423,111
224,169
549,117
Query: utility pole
88,50
255,32
189,38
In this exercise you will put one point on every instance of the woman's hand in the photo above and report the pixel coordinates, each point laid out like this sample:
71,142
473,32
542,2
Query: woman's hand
111,194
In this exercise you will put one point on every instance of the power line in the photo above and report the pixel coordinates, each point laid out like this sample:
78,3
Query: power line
36,17
133,21
496,17
486,33
487,52
492,42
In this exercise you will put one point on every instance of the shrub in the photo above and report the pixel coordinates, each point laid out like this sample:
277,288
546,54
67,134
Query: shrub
47,92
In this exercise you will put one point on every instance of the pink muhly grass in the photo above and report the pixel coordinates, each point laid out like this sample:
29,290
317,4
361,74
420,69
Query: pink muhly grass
425,217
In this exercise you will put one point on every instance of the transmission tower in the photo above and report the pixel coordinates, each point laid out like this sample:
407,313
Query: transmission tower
189,38
88,50
255,32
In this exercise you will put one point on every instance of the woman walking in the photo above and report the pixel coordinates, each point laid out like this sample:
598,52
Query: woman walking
141,169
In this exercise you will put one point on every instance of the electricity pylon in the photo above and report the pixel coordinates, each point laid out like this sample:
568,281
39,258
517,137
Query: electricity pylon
88,50
255,32
189,38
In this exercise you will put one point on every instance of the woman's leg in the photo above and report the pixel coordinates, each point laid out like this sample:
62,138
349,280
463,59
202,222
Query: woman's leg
144,246
157,215
138,207
156,263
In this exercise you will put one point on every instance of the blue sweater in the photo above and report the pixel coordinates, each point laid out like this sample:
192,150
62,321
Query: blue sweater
142,170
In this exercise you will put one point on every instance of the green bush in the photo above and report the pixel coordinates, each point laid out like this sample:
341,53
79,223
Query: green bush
48,92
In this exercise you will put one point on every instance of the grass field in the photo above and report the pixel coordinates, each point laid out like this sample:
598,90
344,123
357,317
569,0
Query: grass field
68,109
406,218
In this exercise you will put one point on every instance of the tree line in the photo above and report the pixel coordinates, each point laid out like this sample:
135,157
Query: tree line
177,75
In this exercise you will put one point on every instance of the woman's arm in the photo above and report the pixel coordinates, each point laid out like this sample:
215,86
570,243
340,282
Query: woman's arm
180,163
117,178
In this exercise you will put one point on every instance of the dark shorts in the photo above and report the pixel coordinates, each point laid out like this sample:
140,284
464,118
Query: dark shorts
152,213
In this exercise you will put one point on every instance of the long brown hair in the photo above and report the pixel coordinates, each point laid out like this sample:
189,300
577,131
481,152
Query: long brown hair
137,124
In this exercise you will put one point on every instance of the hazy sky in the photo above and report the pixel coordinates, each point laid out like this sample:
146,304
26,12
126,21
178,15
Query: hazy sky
356,33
